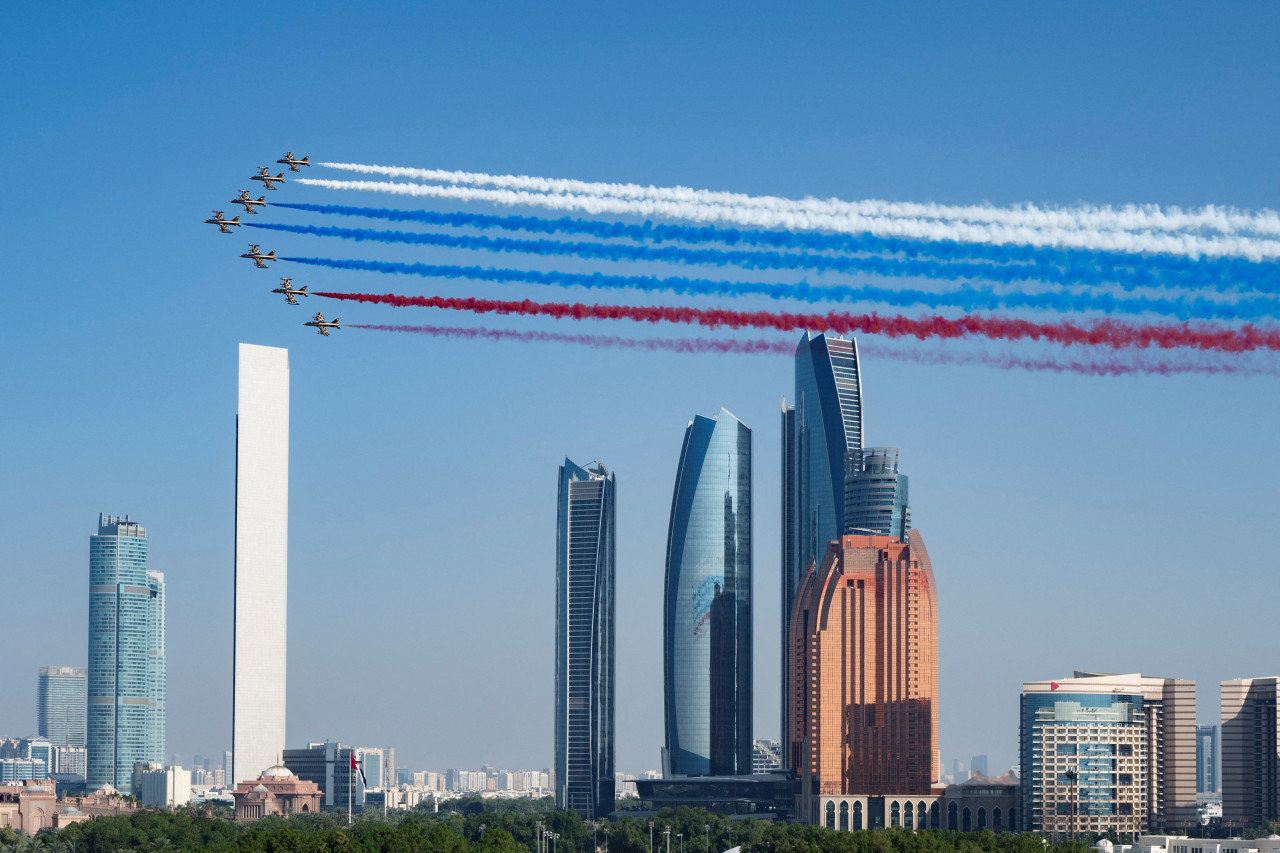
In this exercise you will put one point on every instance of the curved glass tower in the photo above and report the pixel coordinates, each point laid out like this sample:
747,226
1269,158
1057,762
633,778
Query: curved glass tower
707,607
819,431
585,560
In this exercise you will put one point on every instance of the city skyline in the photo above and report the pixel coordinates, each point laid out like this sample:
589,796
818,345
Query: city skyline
1040,493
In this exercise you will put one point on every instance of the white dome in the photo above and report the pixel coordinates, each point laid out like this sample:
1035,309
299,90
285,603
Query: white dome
276,770
261,789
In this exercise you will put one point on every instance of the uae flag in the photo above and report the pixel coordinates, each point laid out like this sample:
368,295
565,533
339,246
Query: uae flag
355,765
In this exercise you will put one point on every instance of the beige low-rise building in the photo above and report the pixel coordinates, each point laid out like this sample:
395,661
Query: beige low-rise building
276,792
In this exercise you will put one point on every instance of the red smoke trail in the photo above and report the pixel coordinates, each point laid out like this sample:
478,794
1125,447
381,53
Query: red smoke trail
682,345
1106,333
1136,364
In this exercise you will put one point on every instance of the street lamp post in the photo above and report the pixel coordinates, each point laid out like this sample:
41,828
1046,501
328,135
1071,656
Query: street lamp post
537,835
680,835
606,839
650,836
667,833
706,827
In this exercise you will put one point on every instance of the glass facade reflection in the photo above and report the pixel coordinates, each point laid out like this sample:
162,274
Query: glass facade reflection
707,607
60,704
819,429
585,558
126,688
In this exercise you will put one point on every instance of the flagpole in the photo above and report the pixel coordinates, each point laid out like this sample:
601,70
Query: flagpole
350,773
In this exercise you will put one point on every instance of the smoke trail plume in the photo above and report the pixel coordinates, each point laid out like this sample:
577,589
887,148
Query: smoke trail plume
968,298
1176,243
1149,217
873,265
1004,264
679,345
1103,333
1136,364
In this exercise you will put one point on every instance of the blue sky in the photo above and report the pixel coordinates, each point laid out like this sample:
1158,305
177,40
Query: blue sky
1074,522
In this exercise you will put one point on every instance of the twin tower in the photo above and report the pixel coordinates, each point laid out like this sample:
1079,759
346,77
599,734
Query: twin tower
846,543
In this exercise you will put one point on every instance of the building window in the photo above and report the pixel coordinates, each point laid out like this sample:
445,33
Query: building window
831,815
952,813
844,816
966,825
935,816
982,818
995,819
895,817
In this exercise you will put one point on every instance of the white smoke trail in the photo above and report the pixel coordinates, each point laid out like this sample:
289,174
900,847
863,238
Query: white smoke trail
1173,243
1223,220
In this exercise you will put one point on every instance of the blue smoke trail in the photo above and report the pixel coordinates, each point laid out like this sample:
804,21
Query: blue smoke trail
968,299
1005,264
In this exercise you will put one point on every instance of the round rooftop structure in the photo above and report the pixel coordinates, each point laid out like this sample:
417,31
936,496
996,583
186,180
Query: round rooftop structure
260,789
276,770
71,810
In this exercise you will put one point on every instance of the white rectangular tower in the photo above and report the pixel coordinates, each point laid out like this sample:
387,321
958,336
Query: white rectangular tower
262,560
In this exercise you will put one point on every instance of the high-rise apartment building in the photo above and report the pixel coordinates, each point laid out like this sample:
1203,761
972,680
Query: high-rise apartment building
707,606
262,560
819,430
876,494
1207,759
1105,752
126,674
766,756
61,693
1250,751
864,658
585,561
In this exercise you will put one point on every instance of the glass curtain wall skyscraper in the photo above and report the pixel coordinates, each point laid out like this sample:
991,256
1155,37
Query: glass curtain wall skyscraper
585,560
819,430
876,494
60,704
126,678
707,608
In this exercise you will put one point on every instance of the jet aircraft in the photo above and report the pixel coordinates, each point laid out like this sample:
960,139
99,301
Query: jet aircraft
265,176
289,292
323,326
292,163
248,202
258,257
223,223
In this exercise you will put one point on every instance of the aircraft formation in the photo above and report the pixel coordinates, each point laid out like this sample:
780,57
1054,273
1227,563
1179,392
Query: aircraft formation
260,258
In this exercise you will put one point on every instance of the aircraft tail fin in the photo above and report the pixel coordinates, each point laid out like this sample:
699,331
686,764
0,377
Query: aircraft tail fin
303,290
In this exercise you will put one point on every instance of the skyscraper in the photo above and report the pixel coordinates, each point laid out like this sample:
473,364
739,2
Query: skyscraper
262,560
1207,759
818,432
864,659
61,693
1250,751
126,677
876,494
707,608
1100,751
585,559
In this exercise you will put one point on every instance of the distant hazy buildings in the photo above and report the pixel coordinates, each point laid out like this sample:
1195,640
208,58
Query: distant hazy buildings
126,673
1207,759
1105,752
262,560
61,693
707,606
864,692
876,494
819,430
978,765
585,561
1250,751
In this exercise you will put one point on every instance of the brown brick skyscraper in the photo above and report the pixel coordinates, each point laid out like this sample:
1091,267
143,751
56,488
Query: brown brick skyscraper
864,686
